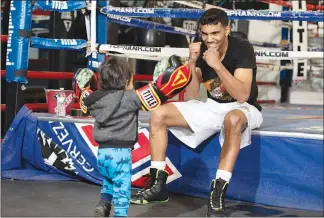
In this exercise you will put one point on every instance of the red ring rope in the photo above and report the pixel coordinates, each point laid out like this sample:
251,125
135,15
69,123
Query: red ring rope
4,38
39,12
39,106
70,75
310,7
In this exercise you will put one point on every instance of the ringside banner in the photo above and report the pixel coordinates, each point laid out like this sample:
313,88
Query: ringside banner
267,172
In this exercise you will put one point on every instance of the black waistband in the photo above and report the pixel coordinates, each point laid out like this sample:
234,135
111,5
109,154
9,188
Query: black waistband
117,144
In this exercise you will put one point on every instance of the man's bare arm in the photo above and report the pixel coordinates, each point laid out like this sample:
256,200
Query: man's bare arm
239,85
192,90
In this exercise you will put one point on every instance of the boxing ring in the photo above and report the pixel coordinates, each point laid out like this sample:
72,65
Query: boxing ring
282,168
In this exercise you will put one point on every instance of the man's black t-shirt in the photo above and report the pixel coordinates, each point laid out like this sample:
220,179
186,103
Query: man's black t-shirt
239,54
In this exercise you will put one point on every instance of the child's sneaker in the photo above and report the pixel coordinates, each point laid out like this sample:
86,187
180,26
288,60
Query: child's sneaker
102,209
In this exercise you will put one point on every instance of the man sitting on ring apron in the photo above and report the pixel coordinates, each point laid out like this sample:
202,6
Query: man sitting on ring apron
227,67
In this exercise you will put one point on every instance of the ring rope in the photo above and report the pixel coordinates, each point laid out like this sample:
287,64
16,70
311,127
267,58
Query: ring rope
158,52
309,7
199,5
69,75
93,30
232,14
78,44
183,52
39,106
149,25
4,38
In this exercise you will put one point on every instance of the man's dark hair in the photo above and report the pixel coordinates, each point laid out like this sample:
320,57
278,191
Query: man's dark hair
114,74
213,16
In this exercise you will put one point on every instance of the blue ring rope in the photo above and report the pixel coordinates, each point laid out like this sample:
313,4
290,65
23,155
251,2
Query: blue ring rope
316,16
149,25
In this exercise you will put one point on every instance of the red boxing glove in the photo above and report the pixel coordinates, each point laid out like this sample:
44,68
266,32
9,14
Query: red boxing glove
173,80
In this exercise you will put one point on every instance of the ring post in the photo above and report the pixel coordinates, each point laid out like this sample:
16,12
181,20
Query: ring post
300,39
95,59
285,74
19,32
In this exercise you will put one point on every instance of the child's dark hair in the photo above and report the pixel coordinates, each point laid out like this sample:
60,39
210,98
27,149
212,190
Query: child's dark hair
114,74
213,16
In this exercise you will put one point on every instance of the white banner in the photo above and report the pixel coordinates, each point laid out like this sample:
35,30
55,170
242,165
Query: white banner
299,41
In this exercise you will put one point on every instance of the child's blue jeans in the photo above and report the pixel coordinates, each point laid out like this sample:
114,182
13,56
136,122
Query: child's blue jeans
115,165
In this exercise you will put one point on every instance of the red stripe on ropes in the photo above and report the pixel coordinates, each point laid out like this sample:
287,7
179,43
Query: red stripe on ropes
68,75
45,75
4,38
39,106
44,106
41,13
266,83
309,7
140,77
266,101
182,95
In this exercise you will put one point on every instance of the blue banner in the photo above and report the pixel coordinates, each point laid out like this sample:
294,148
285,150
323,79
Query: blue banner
233,14
59,142
50,147
62,44
18,41
61,6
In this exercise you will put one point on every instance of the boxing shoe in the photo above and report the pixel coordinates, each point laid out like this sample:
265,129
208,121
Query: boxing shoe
102,209
216,200
155,191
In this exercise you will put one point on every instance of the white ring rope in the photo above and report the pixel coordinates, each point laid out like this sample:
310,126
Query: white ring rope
259,65
274,67
183,52
93,17
139,57
87,24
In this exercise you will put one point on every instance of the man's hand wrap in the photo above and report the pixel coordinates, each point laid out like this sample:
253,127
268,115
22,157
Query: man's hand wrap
172,81
84,93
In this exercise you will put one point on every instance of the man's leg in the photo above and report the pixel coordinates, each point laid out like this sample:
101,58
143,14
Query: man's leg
163,117
234,123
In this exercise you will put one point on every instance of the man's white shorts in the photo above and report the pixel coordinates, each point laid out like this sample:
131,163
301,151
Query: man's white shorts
206,118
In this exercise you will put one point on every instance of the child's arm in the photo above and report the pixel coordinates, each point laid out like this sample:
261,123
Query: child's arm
131,100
